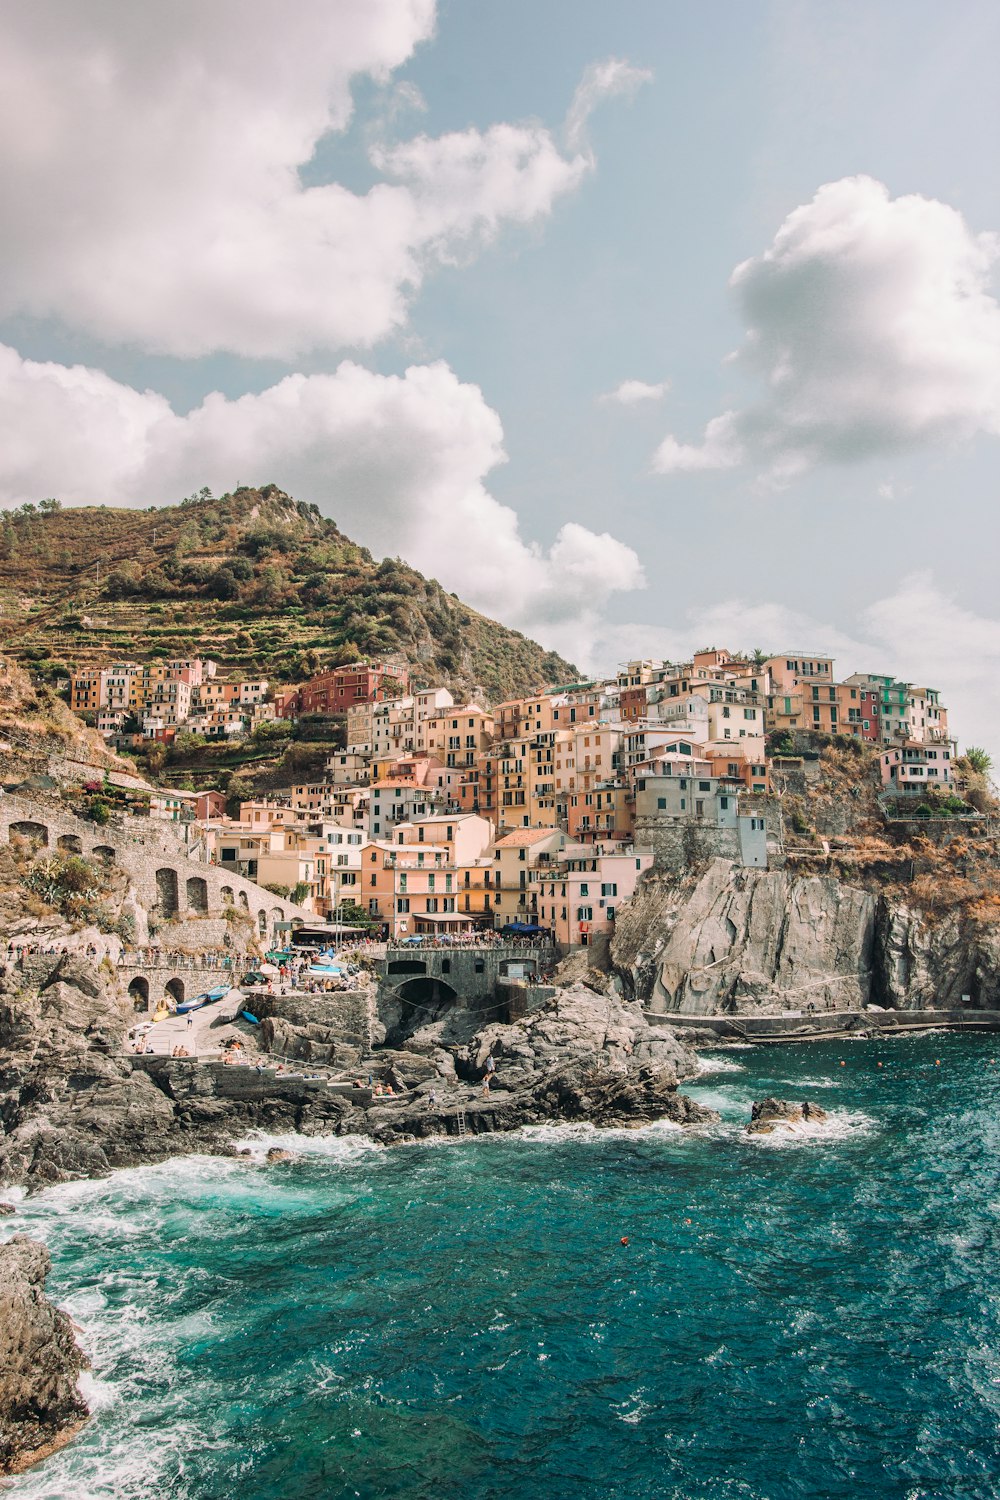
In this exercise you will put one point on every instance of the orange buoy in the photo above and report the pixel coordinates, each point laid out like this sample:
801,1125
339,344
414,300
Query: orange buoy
624,1239
687,1221
843,1064
878,1065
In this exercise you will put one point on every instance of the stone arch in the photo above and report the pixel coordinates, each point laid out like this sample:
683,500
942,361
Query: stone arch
166,891
174,989
228,898
197,893
69,843
420,1002
105,852
33,833
262,922
277,915
138,992
243,901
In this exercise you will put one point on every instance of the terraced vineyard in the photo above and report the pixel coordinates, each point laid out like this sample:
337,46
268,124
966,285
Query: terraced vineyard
263,584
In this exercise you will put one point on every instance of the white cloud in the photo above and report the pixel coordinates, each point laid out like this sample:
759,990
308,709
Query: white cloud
631,392
871,325
399,461
150,164
600,81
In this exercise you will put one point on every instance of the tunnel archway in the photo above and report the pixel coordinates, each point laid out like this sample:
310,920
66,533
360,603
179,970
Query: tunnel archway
138,992
69,843
175,990
166,890
417,1003
197,894
35,834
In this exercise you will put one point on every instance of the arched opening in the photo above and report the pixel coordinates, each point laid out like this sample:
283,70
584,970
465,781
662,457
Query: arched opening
175,990
69,843
262,922
277,915
421,1001
138,992
105,852
243,901
166,892
228,899
197,893
35,834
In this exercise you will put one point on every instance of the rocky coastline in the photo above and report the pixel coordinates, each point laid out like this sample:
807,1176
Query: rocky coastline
41,1407
74,1103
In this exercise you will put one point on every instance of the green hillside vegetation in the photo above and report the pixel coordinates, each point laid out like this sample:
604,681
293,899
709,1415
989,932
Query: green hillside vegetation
261,583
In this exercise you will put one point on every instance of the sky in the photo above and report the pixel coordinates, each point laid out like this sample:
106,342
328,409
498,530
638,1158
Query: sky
641,327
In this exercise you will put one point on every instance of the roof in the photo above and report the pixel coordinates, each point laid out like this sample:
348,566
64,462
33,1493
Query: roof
524,836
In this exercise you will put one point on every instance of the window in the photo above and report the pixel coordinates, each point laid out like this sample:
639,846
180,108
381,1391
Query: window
585,914
661,802
704,786
584,889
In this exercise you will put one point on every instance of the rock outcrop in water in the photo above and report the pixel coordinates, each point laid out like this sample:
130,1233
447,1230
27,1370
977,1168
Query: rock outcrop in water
40,1363
769,1115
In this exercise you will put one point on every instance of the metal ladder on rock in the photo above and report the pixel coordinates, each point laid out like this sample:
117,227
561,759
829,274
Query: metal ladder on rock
460,1122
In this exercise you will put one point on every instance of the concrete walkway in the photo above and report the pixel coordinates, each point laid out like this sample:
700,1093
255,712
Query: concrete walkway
200,1038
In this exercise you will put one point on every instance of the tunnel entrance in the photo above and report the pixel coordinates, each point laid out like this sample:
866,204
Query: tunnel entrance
419,1002
139,993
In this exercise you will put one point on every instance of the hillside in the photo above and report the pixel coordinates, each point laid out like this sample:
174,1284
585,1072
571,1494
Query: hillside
263,584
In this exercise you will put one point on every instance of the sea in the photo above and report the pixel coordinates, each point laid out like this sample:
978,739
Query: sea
564,1312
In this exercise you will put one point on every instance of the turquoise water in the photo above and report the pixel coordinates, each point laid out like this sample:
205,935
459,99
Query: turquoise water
815,1317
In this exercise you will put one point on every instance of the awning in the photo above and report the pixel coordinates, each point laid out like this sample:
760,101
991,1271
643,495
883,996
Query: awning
445,918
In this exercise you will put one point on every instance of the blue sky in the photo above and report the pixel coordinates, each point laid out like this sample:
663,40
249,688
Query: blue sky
175,230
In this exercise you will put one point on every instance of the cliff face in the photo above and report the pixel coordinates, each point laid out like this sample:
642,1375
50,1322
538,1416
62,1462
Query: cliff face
70,1103
734,940
40,1406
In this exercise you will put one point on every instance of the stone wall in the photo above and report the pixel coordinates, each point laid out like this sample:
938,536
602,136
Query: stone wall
165,880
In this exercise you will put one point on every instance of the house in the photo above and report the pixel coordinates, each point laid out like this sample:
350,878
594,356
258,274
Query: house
579,894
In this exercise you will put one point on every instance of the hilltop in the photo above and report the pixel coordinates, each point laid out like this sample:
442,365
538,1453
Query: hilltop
260,582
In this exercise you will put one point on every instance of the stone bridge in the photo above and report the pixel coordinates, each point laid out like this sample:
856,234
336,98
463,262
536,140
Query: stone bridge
168,881
149,983
420,984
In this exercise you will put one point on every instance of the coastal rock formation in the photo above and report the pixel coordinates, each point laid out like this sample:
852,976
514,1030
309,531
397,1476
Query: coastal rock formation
585,1056
70,1103
738,939
40,1405
768,1115
729,940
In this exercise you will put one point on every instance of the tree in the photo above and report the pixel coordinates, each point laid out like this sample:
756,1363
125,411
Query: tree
49,507
979,760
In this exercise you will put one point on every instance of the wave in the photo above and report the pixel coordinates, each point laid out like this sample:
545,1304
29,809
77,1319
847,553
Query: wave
339,1148
708,1064
839,1125
584,1130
